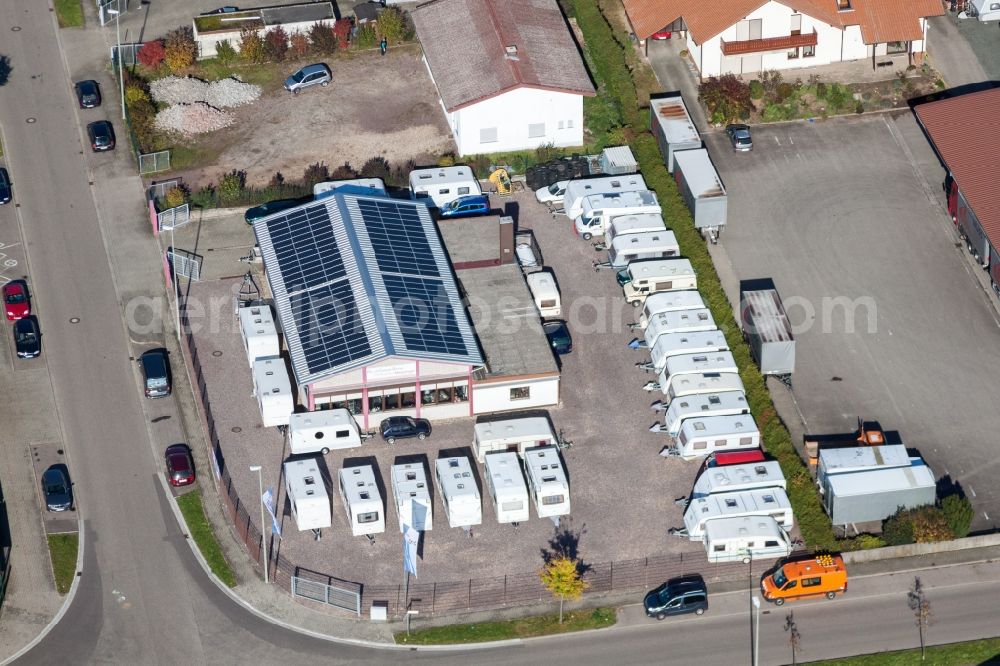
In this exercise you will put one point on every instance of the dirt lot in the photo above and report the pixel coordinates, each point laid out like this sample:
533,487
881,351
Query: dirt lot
375,107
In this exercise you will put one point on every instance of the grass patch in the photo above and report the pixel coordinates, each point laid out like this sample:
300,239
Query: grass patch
62,550
69,13
956,654
267,75
540,625
188,156
201,532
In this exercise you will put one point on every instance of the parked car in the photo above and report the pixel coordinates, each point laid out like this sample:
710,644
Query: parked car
17,303
27,338
5,189
739,136
180,465
558,334
271,207
310,75
467,206
88,94
678,596
403,427
661,35
102,136
552,193
228,9
155,373
56,489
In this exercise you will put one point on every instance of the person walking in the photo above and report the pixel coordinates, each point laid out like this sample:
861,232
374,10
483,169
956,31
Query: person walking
383,45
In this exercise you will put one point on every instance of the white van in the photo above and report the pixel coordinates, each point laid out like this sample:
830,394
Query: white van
545,293
506,486
322,431
599,210
623,225
679,321
668,301
547,481
674,344
441,185
761,502
745,538
459,492
658,275
701,437
273,390
650,245
579,188
362,500
414,506
698,406
260,336
515,435
306,493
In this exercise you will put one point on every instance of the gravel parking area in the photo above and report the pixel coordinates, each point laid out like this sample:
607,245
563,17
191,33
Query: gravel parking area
853,209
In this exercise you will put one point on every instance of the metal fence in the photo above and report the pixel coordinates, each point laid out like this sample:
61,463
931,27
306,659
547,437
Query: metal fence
184,263
158,190
172,218
152,162
331,595
103,6
128,52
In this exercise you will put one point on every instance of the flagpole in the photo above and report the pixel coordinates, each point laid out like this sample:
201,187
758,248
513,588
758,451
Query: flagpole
406,597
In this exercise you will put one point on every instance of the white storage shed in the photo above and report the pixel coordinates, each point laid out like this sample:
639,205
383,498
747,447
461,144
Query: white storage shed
459,493
306,493
362,500
678,321
700,437
506,486
273,390
672,126
668,302
441,185
260,336
745,538
713,404
322,431
674,344
547,481
761,502
514,435
410,490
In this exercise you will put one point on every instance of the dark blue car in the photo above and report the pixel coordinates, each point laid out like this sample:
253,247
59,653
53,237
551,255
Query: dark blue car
473,204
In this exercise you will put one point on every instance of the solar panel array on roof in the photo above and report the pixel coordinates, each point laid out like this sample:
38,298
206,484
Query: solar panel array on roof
305,247
398,249
425,320
329,328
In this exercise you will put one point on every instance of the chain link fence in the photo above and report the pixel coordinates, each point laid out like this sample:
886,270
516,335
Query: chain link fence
151,162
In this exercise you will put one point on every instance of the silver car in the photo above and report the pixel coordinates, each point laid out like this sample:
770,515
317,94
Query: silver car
739,136
310,75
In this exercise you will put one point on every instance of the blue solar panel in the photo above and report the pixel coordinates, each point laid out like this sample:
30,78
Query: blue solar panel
330,330
306,248
425,314
398,238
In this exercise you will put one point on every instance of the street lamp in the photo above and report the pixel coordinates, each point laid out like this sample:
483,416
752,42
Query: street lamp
121,72
260,498
756,629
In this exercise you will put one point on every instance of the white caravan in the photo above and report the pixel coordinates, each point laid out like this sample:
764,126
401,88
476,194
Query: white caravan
600,210
260,336
459,493
745,538
322,431
547,481
984,10
441,185
705,382
711,404
693,364
760,502
735,478
579,188
511,435
545,293
668,301
679,321
674,344
505,483
414,505
273,390
649,245
372,186
362,500
701,437
660,275
306,493
623,225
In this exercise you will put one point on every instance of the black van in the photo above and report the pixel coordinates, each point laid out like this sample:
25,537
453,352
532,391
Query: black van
678,596
155,373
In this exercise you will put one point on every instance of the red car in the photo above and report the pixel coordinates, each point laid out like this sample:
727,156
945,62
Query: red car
17,305
180,466
660,35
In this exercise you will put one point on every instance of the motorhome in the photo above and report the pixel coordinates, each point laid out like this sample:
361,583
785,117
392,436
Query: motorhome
693,364
273,390
410,490
459,492
306,493
372,186
260,337
650,245
736,478
322,431
714,435
760,502
711,404
599,210
506,486
362,500
656,276
579,188
547,481
668,301
675,344
745,538
545,293
623,225
439,186
705,382
515,435
679,321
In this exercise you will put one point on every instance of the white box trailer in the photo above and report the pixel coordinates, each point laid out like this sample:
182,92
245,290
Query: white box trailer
516,435
685,365
260,336
768,332
675,344
668,302
459,493
623,225
547,481
578,188
678,321
672,126
658,275
840,460
734,478
636,247
745,538
373,186
322,431
544,293
362,501
439,186
306,493
702,190
701,437
705,382
599,210
711,404
410,489
506,486
771,502
876,494
273,391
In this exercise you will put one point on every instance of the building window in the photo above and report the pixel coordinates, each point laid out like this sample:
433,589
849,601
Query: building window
407,400
368,517
562,124
569,124
462,393
374,404
793,54
808,51
536,130
391,400
520,393
796,28
895,48
488,135
843,4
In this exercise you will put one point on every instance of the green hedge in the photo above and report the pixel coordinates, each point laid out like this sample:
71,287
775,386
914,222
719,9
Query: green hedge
610,62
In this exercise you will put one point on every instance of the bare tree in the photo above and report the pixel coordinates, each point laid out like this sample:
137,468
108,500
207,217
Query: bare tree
794,638
921,607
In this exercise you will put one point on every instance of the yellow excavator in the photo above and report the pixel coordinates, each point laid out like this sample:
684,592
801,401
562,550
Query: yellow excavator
501,180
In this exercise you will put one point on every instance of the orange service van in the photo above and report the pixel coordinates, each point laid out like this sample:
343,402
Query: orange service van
804,578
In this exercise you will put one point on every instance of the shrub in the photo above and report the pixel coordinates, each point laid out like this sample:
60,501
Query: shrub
400,176
277,180
726,97
231,186
252,48
180,49
315,173
940,84
298,44
322,38
342,31
821,90
770,79
838,97
859,107
205,197
683,53
151,54
756,89
862,542
174,197
276,43
134,93
783,92
376,167
958,511
391,25
343,172
930,525
897,529
446,160
366,38
225,52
